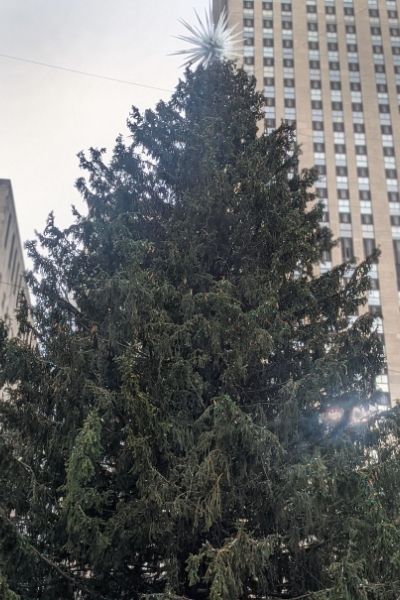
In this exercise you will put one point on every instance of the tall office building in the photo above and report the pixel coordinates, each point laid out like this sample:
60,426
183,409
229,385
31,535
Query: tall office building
333,68
11,258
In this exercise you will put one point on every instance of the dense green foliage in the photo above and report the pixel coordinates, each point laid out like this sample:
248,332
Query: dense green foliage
167,437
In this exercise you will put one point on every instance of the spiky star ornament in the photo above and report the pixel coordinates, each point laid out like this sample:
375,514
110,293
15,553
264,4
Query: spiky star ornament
210,40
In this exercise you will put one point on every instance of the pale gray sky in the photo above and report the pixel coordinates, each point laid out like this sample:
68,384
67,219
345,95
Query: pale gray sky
47,116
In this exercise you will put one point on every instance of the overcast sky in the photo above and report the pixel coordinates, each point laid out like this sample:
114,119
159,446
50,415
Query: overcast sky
47,116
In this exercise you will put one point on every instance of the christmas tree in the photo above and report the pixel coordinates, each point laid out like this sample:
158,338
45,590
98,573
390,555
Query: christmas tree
184,426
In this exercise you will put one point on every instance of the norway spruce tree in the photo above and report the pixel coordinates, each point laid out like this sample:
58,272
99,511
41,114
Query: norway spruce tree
169,435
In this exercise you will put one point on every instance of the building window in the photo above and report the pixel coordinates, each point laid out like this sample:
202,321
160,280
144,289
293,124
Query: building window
367,219
337,126
316,104
326,256
7,230
361,150
288,63
381,88
386,130
340,149
341,171
321,192
347,249
11,251
369,246
395,220
396,248
388,151
364,195
345,217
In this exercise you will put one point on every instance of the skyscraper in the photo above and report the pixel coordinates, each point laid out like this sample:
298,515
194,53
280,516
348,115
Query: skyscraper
332,67
11,258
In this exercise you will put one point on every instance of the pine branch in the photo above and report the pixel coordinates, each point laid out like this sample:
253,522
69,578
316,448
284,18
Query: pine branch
25,543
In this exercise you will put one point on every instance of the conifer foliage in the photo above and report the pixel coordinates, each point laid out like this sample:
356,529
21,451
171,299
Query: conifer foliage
168,436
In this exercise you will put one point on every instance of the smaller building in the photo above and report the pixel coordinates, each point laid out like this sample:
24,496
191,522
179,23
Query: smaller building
12,280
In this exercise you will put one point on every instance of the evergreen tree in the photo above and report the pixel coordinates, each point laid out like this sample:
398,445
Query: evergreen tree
168,436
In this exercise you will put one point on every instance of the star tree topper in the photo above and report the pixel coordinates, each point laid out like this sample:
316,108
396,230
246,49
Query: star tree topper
210,40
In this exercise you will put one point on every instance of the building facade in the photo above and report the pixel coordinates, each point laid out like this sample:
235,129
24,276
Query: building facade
332,67
12,280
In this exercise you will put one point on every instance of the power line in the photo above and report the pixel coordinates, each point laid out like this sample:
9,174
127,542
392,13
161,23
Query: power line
105,77
84,73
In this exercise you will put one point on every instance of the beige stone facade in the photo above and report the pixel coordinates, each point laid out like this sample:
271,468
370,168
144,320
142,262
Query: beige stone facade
11,258
333,68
